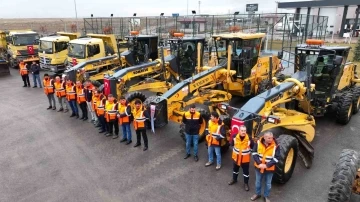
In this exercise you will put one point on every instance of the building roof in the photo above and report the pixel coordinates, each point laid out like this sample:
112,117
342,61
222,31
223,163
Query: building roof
240,35
301,4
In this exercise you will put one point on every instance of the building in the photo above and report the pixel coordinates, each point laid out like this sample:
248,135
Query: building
186,25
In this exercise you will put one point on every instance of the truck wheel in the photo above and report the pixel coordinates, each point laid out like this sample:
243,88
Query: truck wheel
205,114
344,176
356,99
131,98
13,63
286,163
344,109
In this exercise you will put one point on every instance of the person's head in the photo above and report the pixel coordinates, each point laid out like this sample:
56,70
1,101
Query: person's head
68,82
57,79
122,100
242,131
137,104
268,137
34,62
192,109
214,116
111,98
87,83
46,76
78,83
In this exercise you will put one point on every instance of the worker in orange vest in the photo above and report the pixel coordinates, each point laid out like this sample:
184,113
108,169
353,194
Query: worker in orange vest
71,98
94,100
24,72
89,92
111,111
242,145
125,119
49,91
81,100
216,132
61,93
100,111
140,116
266,153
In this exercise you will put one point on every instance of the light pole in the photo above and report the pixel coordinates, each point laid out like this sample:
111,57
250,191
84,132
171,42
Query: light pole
133,21
235,14
111,16
193,22
77,23
64,24
159,29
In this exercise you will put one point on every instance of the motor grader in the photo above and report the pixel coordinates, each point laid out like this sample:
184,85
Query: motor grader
335,80
240,72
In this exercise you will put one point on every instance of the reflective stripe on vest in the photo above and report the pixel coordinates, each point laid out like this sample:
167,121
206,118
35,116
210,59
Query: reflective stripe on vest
24,71
48,88
241,150
70,93
215,132
60,91
139,120
110,114
267,152
100,108
122,110
80,96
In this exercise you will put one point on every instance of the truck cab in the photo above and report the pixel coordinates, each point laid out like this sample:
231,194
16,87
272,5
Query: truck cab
53,51
21,45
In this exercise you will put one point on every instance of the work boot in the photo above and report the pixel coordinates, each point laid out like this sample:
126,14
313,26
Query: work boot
255,197
66,110
29,86
82,118
108,134
246,187
54,108
102,131
98,125
187,156
72,115
35,87
137,144
49,107
128,142
218,167
24,85
232,182
123,140
115,136
267,199
61,109
86,118
196,158
208,164
145,148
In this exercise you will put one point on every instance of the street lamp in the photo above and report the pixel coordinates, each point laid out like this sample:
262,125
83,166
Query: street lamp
159,28
92,23
111,16
77,23
64,24
235,14
193,23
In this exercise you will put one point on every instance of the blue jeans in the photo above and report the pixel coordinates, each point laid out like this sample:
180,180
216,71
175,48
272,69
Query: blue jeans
126,131
195,140
211,154
258,181
36,77
73,107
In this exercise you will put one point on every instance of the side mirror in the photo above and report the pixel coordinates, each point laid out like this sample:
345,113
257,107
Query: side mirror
280,55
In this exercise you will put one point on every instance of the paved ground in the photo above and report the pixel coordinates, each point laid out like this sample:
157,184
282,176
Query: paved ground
47,156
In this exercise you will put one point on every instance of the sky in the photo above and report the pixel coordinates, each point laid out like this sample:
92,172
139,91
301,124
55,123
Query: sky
122,8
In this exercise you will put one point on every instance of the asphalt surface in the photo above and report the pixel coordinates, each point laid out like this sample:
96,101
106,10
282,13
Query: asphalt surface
48,156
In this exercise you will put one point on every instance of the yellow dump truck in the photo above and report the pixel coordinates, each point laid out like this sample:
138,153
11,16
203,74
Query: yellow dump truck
19,45
53,51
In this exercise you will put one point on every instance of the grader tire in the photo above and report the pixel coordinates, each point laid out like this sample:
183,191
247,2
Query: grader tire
344,109
135,96
344,175
356,99
96,83
286,163
263,86
205,114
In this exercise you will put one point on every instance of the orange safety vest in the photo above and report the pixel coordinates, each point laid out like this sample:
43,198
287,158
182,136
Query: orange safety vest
241,150
70,92
110,111
80,95
214,130
93,102
265,154
100,108
122,110
48,87
23,70
139,119
59,89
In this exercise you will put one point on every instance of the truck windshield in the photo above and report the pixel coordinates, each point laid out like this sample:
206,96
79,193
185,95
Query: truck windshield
25,39
76,50
46,46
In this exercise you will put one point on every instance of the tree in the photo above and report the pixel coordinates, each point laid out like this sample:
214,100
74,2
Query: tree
357,52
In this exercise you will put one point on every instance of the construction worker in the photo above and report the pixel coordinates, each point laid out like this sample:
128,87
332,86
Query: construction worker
61,93
71,98
94,100
192,121
111,109
266,153
89,91
241,156
100,111
81,100
140,115
35,70
24,72
49,91
125,120
216,132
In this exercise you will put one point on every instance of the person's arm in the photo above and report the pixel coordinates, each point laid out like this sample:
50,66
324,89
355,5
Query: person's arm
184,120
256,155
274,160
200,120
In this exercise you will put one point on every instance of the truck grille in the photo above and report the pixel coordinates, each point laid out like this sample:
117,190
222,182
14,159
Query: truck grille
25,52
47,60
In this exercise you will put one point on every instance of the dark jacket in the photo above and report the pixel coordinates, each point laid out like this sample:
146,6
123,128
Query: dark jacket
35,69
88,94
192,126
273,161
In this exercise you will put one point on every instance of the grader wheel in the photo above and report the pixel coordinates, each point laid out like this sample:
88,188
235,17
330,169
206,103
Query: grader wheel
131,98
286,163
356,99
345,108
344,177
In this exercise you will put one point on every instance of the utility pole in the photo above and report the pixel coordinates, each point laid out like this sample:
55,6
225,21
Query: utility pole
199,7
187,7
77,23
